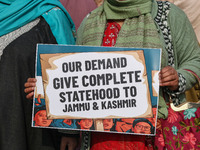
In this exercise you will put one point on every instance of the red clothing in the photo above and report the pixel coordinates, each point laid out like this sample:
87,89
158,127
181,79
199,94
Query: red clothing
110,34
110,141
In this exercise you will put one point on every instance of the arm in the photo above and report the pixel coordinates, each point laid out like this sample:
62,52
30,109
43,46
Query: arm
186,48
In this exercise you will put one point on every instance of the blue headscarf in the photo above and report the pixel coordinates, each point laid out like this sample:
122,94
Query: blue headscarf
17,13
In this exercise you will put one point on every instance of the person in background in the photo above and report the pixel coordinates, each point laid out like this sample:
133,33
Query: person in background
148,24
23,24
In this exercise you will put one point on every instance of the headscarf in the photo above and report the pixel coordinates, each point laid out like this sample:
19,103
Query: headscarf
126,9
17,13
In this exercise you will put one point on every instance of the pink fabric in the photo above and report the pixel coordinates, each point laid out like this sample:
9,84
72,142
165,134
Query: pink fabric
180,131
78,9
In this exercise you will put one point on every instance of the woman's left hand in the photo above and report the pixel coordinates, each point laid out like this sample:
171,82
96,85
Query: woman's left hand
168,76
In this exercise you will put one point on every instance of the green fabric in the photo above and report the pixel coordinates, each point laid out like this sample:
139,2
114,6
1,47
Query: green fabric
162,107
186,52
126,9
143,27
186,48
138,31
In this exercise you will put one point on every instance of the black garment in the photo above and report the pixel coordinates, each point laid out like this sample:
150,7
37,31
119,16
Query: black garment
17,64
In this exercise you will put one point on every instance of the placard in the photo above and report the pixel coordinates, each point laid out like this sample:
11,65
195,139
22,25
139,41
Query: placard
109,89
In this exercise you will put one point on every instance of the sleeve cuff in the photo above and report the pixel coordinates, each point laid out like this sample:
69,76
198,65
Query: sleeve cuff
181,88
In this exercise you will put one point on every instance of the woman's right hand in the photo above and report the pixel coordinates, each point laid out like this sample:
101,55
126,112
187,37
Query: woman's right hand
29,87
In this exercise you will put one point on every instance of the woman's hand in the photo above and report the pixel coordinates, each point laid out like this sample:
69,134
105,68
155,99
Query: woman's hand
168,76
29,87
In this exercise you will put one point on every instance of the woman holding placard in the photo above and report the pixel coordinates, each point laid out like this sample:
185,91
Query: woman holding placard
149,24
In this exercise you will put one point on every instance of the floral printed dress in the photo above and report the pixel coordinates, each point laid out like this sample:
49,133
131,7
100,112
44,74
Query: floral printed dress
180,131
